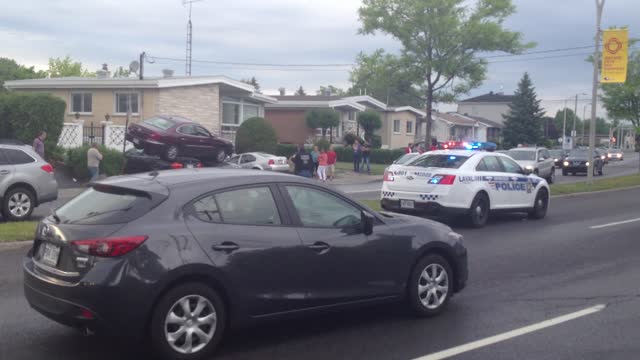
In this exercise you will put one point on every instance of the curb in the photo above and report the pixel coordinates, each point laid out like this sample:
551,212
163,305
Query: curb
595,192
15,245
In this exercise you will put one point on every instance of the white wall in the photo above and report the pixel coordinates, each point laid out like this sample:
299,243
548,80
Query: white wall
488,111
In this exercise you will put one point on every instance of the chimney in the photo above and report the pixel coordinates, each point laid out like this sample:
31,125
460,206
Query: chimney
167,73
103,73
283,91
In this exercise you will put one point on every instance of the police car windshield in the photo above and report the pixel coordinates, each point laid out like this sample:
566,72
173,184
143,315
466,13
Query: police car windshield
406,158
440,161
522,155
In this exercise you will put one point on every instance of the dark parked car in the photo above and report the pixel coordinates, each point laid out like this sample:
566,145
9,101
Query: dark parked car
172,137
558,156
577,161
178,256
136,161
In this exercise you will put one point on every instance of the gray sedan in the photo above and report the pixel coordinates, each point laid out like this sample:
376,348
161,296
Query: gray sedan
260,161
26,181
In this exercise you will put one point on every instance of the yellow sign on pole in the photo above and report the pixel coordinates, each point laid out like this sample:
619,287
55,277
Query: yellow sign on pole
614,56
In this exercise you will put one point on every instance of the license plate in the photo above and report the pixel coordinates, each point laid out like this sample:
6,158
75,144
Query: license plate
136,141
51,254
189,166
407,204
280,162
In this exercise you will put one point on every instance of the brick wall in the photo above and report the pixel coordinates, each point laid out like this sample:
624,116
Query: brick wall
290,125
197,103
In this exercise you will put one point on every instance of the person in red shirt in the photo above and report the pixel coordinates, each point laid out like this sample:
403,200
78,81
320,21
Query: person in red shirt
332,157
409,148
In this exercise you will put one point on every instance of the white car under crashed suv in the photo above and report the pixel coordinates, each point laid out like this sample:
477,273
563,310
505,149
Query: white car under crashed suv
466,183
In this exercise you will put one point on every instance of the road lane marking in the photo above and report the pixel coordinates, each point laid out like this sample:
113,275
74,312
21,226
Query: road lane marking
614,224
511,334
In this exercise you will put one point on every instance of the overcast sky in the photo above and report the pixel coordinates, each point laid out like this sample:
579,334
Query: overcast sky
286,31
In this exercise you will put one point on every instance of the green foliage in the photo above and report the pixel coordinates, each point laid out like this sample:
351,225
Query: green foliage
350,138
385,77
76,162
559,121
11,70
622,101
322,119
330,90
121,72
523,123
300,91
252,82
63,67
56,155
286,150
256,134
24,116
376,141
441,41
370,121
378,156
323,144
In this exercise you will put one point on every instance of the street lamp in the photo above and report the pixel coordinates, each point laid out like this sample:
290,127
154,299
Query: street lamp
584,114
575,115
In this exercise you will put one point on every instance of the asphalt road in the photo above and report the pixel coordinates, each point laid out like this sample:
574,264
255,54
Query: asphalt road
521,273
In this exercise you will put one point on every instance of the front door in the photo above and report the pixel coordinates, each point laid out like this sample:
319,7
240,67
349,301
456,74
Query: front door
343,263
246,234
247,161
492,172
519,190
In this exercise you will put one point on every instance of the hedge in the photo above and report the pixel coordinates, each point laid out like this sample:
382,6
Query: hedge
256,135
76,162
24,115
378,156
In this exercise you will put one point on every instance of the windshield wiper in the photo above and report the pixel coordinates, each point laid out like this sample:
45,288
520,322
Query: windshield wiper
99,213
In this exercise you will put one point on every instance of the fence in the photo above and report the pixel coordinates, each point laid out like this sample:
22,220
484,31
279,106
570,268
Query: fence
76,134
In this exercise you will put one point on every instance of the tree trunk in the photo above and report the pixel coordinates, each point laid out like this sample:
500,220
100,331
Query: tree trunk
324,132
427,135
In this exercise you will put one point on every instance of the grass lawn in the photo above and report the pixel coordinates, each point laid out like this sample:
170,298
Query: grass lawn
604,184
376,169
17,231
373,204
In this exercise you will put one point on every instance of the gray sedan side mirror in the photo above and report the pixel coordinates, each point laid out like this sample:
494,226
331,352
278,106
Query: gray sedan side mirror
367,222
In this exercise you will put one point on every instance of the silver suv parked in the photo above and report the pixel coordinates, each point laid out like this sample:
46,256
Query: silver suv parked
26,181
536,160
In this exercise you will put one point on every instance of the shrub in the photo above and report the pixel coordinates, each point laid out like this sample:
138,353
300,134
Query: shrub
286,149
322,119
23,116
55,155
323,144
378,156
256,134
376,141
76,162
350,138
370,121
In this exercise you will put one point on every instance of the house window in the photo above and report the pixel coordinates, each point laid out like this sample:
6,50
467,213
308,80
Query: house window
250,111
81,103
351,115
122,102
231,114
396,126
409,127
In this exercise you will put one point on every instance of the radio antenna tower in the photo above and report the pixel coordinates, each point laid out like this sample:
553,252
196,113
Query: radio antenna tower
187,69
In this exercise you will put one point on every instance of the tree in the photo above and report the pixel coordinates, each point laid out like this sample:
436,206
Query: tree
622,101
67,67
441,40
300,91
384,77
256,134
322,119
370,121
252,82
121,72
559,119
330,90
11,70
523,123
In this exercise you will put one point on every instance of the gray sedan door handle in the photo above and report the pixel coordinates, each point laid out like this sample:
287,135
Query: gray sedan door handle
4,172
226,246
319,246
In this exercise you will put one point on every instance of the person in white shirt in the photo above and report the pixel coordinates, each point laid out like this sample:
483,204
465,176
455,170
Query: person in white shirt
93,161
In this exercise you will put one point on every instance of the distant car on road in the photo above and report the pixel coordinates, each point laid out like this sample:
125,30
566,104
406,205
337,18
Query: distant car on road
26,181
260,161
558,156
578,162
179,257
615,155
536,160
465,183
603,154
172,137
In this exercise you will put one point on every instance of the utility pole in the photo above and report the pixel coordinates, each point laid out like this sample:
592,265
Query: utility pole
141,74
564,125
594,91
584,116
575,115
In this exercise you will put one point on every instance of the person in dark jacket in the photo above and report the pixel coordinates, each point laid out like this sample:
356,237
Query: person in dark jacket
303,163
357,155
366,155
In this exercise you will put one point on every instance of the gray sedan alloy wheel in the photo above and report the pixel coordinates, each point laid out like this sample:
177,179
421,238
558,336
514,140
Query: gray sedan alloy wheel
433,286
190,324
430,286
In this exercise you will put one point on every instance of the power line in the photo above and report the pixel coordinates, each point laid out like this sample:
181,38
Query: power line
538,52
254,64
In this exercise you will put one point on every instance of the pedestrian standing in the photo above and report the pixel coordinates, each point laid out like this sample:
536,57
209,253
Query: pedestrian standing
38,144
409,148
93,161
332,157
366,155
323,161
302,162
357,155
314,157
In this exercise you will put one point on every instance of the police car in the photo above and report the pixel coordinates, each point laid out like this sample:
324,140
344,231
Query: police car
464,182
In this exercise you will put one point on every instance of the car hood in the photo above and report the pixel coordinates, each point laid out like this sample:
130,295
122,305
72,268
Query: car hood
576,158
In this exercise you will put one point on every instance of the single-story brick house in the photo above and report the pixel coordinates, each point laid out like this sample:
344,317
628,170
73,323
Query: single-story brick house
288,118
457,127
218,103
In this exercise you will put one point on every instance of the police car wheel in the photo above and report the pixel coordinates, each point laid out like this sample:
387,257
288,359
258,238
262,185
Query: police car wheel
479,212
540,206
430,286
